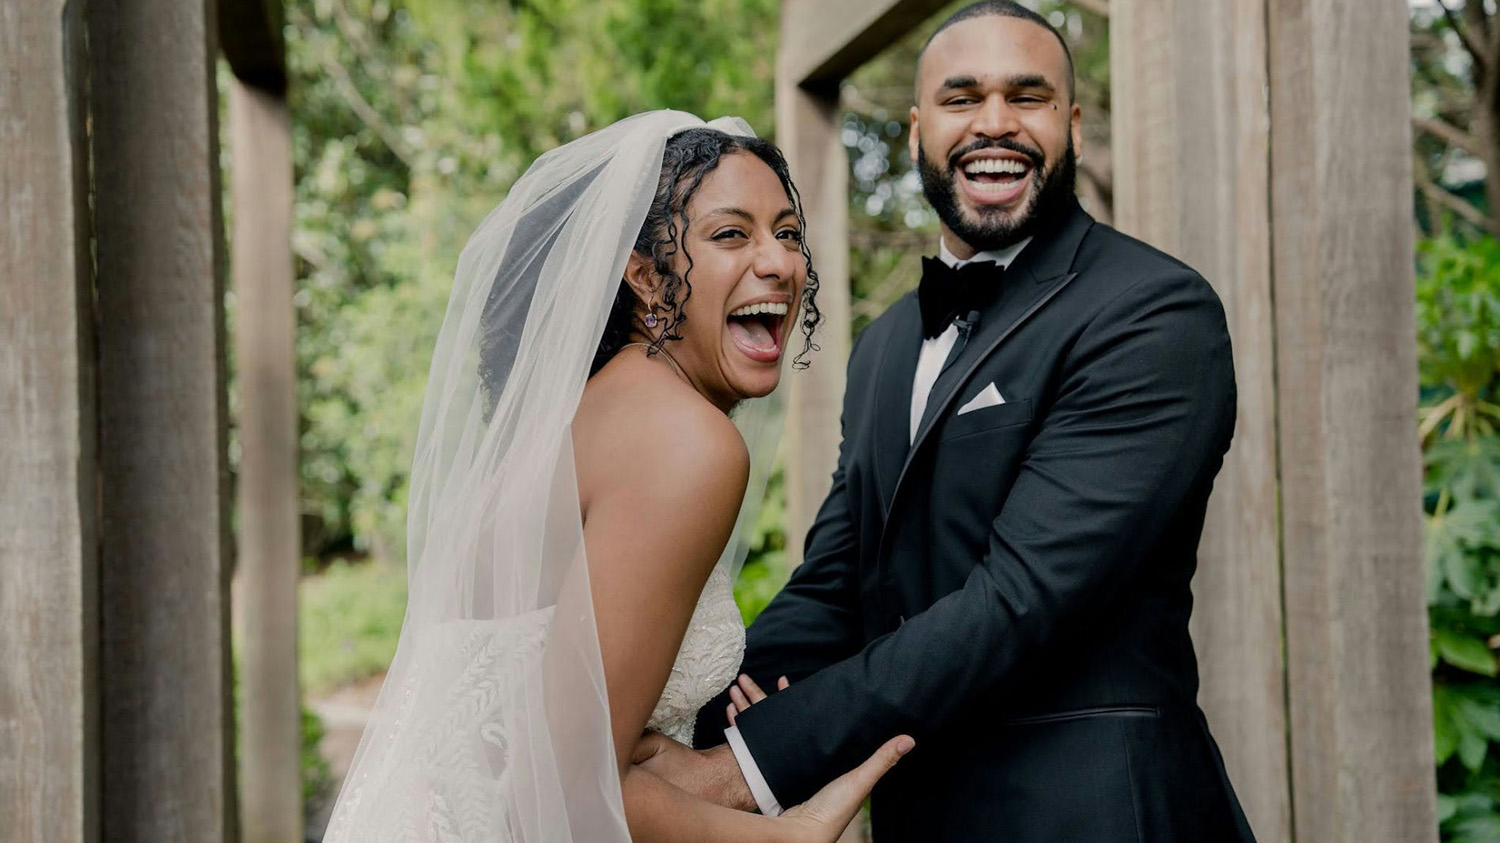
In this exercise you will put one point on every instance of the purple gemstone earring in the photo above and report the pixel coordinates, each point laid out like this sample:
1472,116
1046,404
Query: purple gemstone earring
651,320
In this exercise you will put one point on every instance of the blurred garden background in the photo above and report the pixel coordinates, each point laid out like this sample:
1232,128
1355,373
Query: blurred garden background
411,118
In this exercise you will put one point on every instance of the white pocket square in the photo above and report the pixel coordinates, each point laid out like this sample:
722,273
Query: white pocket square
987,397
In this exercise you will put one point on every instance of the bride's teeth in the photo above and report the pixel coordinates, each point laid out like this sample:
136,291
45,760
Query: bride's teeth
756,309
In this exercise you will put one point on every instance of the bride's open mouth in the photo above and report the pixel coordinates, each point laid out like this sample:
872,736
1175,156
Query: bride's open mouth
757,329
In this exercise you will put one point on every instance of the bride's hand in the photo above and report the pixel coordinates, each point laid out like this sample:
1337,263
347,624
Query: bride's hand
823,818
746,693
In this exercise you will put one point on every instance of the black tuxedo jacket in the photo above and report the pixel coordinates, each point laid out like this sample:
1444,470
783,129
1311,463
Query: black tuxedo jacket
1012,589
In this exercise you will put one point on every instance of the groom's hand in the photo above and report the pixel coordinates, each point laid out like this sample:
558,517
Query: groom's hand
711,774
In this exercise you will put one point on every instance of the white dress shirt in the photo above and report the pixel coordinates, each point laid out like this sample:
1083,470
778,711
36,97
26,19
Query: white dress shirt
930,362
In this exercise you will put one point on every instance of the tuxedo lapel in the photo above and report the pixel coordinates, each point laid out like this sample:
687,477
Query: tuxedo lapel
898,368
1038,274
1014,306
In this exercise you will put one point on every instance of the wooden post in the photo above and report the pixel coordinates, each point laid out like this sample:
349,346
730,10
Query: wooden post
1359,691
1192,177
269,540
822,42
164,662
809,135
49,551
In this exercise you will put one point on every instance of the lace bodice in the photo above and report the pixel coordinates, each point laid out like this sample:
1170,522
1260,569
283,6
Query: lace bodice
708,661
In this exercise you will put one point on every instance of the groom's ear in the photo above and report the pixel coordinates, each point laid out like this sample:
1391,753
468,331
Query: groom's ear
1075,128
913,138
641,275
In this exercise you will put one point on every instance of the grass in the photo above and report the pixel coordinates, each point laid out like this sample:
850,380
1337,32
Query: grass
350,618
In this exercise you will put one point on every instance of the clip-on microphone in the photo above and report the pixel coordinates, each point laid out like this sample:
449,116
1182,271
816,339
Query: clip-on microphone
965,326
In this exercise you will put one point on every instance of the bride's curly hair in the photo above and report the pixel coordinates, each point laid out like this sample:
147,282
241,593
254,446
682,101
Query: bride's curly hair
690,156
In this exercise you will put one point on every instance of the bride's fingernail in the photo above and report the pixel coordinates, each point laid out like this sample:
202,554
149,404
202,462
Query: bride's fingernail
904,745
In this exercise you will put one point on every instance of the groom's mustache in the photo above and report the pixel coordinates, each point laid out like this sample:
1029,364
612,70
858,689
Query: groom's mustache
1036,156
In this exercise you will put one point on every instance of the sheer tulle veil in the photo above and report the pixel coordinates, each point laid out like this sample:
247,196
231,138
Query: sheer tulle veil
493,723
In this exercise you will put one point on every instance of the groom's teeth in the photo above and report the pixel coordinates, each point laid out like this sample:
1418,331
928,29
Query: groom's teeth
757,309
995,166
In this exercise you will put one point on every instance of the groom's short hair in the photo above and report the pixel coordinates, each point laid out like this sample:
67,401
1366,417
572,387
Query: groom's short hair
1004,9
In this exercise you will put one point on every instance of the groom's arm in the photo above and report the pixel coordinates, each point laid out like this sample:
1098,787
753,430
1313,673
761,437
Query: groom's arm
1139,427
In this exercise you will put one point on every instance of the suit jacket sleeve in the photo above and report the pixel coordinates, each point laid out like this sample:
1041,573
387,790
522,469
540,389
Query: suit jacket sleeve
1138,427
813,621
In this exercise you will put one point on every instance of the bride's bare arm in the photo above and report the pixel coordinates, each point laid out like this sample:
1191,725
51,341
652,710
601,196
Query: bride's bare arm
661,488
660,484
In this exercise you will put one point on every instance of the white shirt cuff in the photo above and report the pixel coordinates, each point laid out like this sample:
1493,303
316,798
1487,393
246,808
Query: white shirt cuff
764,798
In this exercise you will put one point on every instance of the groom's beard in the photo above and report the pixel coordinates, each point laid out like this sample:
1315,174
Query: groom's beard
1053,186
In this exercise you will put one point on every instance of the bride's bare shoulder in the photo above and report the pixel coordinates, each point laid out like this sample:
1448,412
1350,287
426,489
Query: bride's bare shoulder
640,430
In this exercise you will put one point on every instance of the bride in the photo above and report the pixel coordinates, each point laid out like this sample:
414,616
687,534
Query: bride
600,400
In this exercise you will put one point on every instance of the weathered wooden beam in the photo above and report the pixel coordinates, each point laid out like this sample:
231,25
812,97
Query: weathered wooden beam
822,41
269,533
167,751
250,34
1192,176
49,551
1358,691
808,132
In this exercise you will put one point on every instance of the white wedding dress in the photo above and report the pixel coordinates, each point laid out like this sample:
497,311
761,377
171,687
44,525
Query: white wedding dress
708,661
429,796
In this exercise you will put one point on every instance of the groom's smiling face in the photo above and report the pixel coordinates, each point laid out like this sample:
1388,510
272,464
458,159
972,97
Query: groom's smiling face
995,130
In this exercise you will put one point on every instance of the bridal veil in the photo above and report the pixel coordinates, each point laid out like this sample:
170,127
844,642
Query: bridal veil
493,724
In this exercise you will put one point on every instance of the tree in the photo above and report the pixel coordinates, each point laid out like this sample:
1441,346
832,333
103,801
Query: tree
411,120
1456,108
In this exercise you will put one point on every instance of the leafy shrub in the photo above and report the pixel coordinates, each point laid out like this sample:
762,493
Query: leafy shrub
317,776
350,619
1458,328
766,567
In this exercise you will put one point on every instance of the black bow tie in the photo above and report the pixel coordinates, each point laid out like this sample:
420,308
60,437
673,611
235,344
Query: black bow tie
947,293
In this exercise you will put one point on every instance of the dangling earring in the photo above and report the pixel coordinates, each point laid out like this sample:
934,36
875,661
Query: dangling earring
651,319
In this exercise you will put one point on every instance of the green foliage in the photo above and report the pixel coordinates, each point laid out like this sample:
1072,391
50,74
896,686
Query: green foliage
317,776
349,621
411,120
1458,314
1458,328
766,567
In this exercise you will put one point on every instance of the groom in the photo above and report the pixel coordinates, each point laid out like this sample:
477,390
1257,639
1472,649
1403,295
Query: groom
1001,568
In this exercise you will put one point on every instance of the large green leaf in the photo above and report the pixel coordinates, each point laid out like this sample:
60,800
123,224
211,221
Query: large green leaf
1447,806
1467,469
1465,652
1480,828
1462,552
1445,724
1466,719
